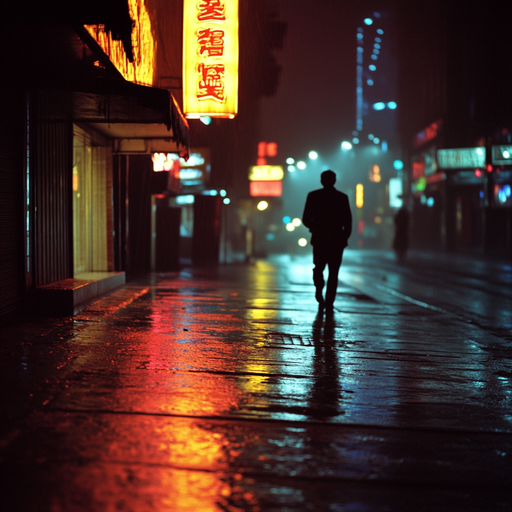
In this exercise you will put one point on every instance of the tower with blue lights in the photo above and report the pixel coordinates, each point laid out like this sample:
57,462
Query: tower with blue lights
375,120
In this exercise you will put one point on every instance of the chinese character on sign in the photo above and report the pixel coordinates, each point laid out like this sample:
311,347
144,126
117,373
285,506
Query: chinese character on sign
211,42
211,10
211,85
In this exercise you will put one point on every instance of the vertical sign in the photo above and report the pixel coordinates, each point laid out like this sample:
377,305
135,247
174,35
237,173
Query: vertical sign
210,58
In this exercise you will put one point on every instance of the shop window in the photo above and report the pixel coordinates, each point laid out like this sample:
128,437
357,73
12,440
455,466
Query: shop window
91,206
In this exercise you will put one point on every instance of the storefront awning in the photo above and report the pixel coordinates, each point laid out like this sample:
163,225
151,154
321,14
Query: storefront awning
140,119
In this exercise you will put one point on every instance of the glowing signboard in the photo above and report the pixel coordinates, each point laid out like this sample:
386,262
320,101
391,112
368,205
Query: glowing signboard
184,175
140,71
210,58
463,158
266,188
266,173
501,155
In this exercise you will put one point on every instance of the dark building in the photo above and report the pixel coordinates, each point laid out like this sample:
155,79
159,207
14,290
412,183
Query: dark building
86,101
454,95
69,122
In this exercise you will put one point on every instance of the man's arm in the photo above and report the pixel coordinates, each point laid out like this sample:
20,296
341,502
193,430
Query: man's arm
307,215
347,224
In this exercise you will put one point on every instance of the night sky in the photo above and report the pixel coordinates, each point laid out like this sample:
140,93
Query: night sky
314,107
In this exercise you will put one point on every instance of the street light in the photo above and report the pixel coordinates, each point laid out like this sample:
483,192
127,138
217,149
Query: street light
346,145
313,155
301,165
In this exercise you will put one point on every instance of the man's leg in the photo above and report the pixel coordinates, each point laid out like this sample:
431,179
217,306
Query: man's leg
319,260
334,263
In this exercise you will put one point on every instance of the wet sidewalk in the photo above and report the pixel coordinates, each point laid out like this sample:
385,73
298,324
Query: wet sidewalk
223,389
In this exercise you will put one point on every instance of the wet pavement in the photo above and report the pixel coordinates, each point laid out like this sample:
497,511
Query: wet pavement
224,389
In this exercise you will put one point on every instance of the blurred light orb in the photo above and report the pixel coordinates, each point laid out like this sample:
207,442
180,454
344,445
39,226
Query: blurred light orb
301,164
392,105
313,155
370,136
286,219
226,200
355,140
380,31
262,205
290,227
506,154
372,67
302,242
369,82
398,165
291,168
376,140
430,202
223,193
368,21
346,145
296,222
380,105
206,120
290,160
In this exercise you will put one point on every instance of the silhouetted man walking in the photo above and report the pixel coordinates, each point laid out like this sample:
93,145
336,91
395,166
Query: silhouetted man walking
327,215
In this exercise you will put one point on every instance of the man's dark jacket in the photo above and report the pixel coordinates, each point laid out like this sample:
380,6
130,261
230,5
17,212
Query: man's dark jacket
327,215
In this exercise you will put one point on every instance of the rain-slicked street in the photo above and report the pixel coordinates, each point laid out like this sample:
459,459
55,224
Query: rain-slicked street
224,389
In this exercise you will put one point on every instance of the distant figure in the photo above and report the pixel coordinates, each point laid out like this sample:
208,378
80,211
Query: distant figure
401,240
327,215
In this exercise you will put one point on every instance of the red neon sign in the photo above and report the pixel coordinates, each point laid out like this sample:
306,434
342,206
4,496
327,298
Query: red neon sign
266,188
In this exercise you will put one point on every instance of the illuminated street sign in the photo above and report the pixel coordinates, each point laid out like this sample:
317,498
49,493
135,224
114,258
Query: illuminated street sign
210,58
266,188
359,195
266,173
463,158
501,155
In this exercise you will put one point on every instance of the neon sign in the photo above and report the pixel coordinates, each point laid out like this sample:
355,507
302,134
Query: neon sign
210,58
266,173
140,71
266,188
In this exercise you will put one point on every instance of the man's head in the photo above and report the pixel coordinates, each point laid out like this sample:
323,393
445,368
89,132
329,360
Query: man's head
328,178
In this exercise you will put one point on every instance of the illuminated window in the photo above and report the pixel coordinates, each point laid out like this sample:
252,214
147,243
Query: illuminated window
91,235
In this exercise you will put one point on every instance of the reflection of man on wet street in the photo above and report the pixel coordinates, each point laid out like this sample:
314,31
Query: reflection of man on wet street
327,215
